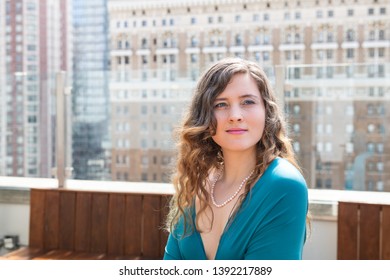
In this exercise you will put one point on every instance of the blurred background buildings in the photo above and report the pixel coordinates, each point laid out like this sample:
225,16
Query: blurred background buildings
132,67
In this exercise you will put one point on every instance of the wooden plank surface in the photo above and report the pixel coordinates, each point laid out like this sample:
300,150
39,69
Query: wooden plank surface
385,250
83,222
116,221
133,225
152,225
347,231
51,232
99,219
369,232
37,214
67,220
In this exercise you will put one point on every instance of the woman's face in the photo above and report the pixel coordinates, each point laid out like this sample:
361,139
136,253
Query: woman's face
240,114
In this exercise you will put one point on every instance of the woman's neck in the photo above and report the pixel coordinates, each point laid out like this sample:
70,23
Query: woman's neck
237,166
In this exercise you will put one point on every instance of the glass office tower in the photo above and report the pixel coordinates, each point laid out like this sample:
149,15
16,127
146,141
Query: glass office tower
90,90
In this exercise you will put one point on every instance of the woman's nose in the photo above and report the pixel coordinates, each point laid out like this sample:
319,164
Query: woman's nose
235,114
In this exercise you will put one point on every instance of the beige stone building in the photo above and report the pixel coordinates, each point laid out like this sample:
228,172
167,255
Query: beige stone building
329,61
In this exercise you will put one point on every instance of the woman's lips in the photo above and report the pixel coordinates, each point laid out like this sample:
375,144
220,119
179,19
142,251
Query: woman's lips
236,131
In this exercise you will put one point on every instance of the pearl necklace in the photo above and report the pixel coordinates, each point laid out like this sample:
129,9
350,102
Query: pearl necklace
233,196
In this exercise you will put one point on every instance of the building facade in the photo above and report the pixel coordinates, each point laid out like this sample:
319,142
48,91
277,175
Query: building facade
34,47
329,61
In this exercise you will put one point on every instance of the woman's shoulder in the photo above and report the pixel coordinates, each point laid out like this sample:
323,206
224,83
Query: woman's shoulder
284,176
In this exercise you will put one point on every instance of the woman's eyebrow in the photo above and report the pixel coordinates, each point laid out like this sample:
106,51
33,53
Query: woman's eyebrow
241,96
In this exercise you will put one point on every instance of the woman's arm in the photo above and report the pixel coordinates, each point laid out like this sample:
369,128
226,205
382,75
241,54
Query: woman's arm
282,232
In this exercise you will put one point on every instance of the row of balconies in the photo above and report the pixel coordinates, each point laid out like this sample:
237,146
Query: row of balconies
222,48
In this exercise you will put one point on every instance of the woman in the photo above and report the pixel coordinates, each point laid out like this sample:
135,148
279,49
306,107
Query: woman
239,191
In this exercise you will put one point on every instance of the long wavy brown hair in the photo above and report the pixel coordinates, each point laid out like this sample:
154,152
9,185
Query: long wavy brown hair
198,153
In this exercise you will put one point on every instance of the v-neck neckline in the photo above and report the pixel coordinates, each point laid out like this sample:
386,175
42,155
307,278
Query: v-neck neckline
225,229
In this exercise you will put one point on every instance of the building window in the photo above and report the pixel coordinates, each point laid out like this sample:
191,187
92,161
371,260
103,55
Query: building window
370,147
350,12
382,11
379,166
330,13
238,40
379,186
370,11
349,148
193,20
380,148
318,183
328,183
350,35
320,128
296,128
381,34
194,58
296,147
350,53
296,109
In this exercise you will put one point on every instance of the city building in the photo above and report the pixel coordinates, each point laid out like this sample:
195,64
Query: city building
90,116
34,46
333,77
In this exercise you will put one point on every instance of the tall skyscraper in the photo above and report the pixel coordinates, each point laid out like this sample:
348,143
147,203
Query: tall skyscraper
34,47
90,100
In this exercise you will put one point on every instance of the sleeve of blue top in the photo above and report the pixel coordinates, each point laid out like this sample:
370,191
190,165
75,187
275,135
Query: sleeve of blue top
172,251
281,232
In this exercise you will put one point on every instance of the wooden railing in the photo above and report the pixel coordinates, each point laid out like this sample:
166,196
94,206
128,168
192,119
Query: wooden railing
363,231
70,224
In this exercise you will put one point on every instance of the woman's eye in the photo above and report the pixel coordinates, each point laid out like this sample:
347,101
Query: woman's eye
220,105
248,102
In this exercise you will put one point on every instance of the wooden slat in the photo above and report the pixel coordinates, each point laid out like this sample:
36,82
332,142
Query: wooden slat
53,255
67,220
152,224
25,253
385,252
369,232
99,219
83,222
116,219
37,206
347,229
51,232
133,225
163,216
84,256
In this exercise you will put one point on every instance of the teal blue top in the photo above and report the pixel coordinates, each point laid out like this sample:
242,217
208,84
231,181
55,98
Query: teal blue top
270,224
